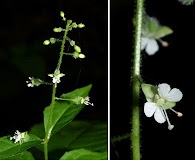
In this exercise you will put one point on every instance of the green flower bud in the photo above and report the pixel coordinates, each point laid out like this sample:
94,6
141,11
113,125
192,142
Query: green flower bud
46,42
72,43
77,48
52,40
62,14
74,25
58,29
80,25
81,56
75,55
69,22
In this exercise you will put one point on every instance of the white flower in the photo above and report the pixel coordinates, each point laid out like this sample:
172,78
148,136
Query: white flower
163,100
86,101
34,82
56,76
150,45
19,137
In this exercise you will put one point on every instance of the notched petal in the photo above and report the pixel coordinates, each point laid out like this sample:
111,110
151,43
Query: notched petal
149,108
174,95
159,116
152,47
163,89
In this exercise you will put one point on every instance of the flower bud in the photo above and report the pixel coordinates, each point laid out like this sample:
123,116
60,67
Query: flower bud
75,55
81,56
69,21
77,48
74,25
46,42
62,14
80,25
72,43
58,29
52,40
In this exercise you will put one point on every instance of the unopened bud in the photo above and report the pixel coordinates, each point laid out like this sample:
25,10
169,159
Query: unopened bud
81,56
77,48
52,40
69,21
58,29
62,14
75,55
74,25
72,43
46,42
81,25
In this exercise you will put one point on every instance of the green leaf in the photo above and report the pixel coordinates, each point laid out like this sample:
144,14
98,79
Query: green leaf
64,111
83,154
162,32
22,156
8,148
149,91
86,134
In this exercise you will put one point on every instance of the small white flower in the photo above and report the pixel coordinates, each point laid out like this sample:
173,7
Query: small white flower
56,76
33,82
19,137
86,101
158,107
150,45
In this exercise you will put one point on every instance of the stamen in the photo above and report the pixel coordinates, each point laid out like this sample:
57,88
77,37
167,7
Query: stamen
164,43
170,126
179,114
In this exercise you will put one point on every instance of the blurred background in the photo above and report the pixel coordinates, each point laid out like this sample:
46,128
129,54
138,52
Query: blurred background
173,65
24,27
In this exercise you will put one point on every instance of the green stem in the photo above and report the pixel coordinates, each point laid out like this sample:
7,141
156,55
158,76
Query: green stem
48,132
135,132
62,47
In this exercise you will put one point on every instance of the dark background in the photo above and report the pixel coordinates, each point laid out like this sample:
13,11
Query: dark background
24,27
173,65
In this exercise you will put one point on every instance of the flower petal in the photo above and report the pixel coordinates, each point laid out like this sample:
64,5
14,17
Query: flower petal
174,95
152,47
163,89
159,115
144,42
149,108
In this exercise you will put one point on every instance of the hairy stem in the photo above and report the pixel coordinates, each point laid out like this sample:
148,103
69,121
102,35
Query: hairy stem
135,131
48,132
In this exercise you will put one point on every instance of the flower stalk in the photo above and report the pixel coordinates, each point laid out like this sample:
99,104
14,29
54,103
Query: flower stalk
48,134
135,130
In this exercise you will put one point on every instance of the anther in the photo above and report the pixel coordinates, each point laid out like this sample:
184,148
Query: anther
179,114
